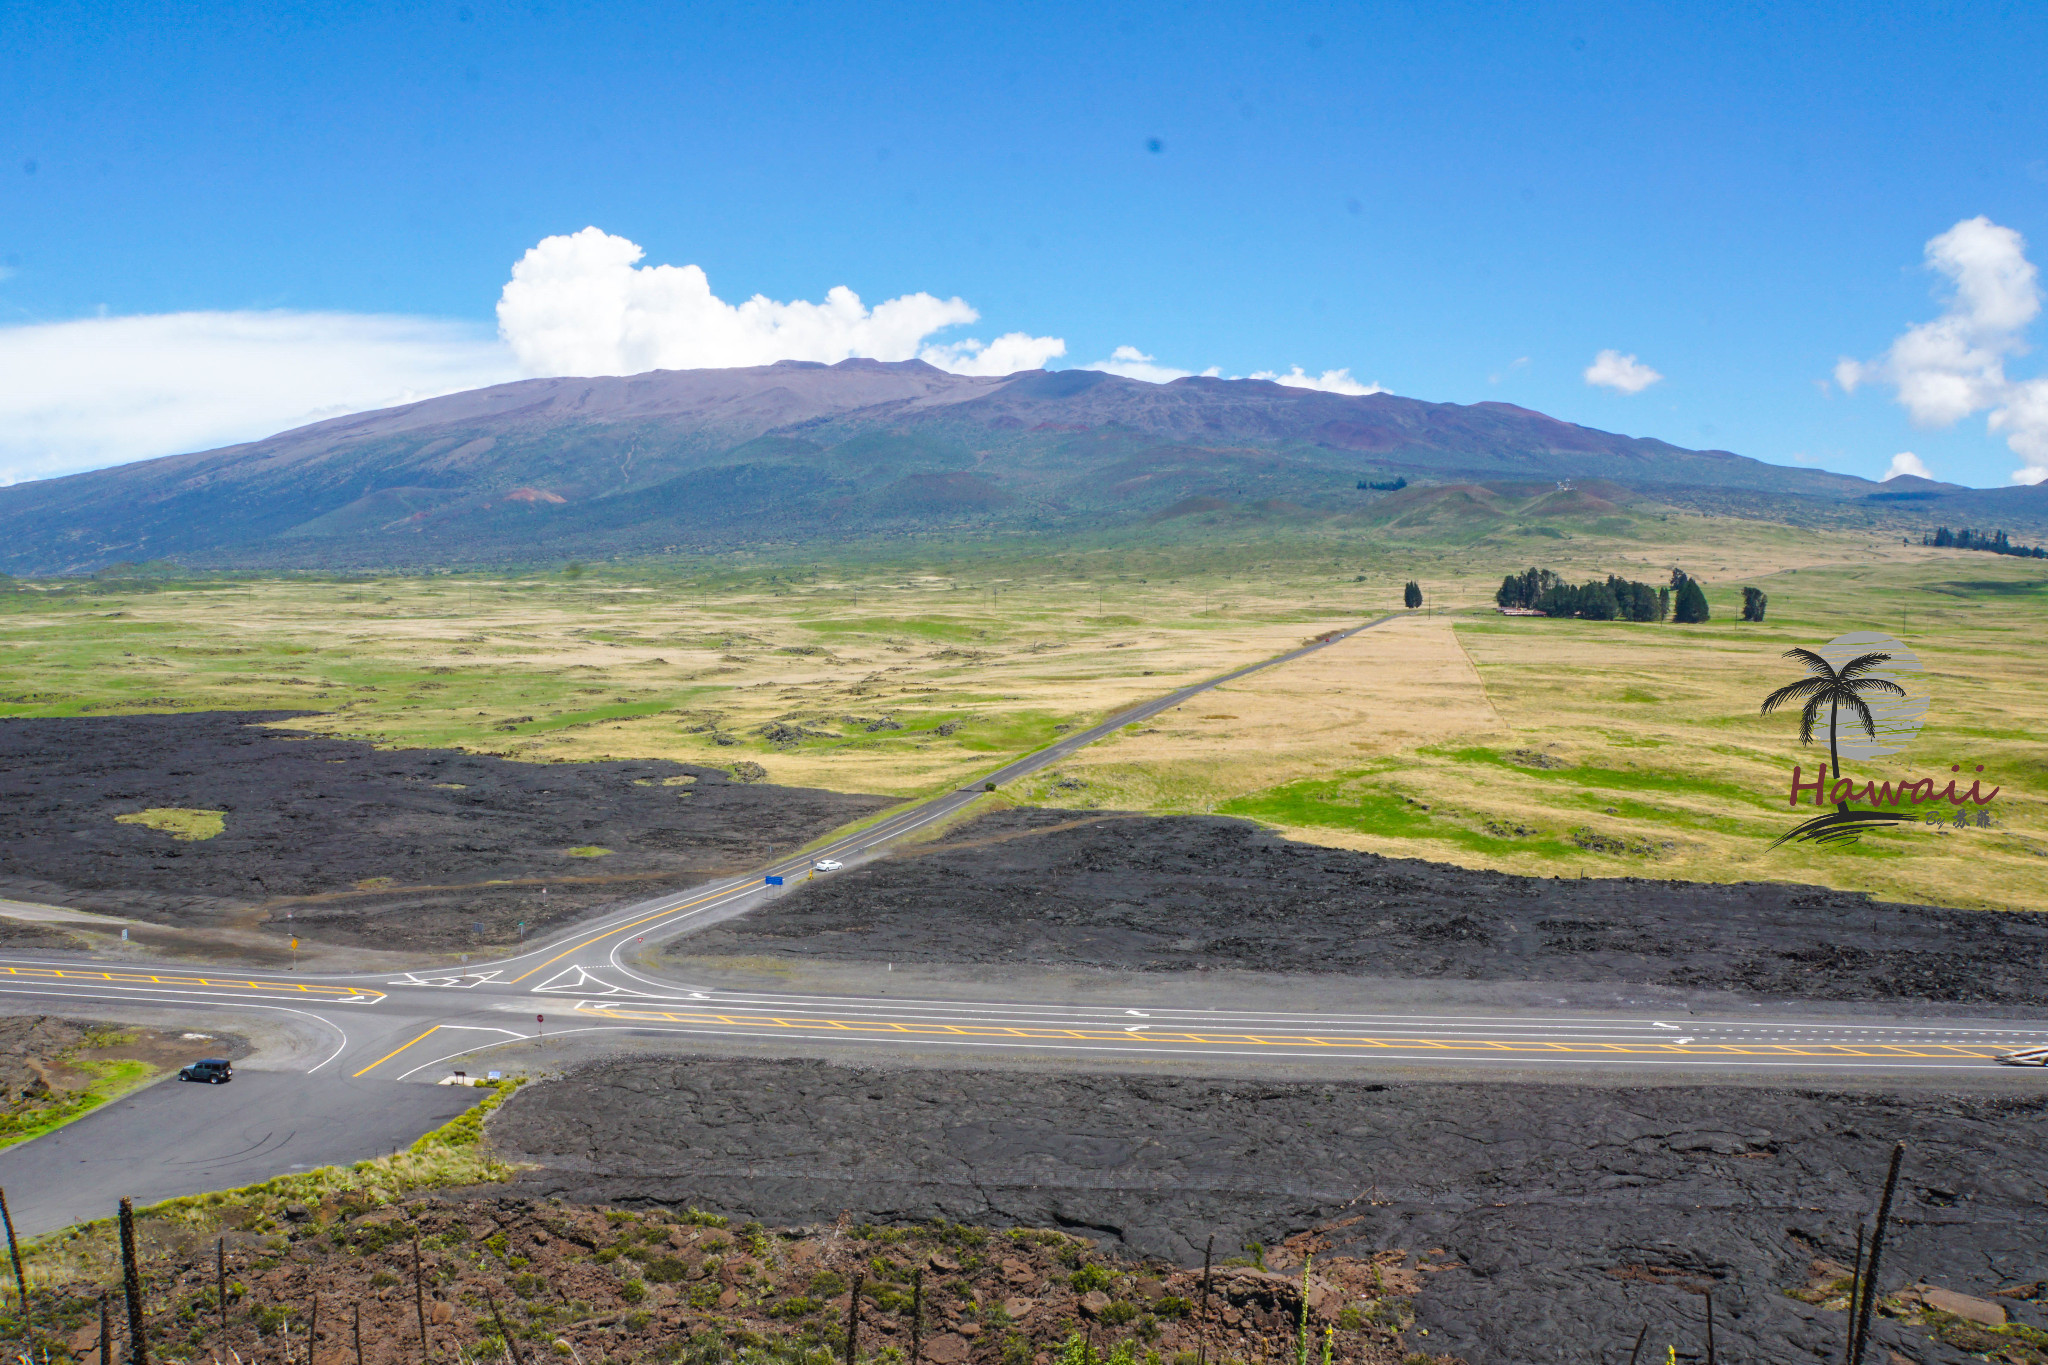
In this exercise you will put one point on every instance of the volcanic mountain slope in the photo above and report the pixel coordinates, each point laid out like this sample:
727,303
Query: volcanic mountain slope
707,458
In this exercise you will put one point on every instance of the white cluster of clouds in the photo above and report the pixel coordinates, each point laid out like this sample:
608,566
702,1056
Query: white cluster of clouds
581,304
1954,366
99,391
1906,462
1622,373
1132,363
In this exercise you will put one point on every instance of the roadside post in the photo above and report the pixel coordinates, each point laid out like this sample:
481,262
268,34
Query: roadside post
540,1030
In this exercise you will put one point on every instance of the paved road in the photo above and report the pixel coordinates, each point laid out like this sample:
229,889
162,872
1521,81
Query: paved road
411,1026
172,1139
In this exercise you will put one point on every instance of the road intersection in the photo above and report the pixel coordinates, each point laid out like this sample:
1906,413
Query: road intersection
415,1025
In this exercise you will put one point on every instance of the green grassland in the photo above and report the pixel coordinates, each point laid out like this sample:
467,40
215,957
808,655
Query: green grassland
104,1078
909,668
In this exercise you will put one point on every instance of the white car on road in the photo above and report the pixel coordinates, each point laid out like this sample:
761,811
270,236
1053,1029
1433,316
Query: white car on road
827,865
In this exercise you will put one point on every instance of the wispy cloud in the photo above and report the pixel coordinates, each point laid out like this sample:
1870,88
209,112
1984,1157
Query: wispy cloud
98,391
1947,369
1622,373
1132,363
1329,381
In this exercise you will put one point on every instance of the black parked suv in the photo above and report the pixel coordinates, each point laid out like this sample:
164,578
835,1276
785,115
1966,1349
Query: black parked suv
213,1070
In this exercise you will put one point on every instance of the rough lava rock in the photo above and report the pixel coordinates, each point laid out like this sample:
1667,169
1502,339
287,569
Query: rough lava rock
1567,1216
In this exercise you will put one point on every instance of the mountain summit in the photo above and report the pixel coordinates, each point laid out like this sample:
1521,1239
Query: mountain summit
710,458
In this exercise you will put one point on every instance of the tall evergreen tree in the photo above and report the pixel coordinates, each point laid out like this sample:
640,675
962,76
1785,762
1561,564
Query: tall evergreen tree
1753,603
1690,607
1412,594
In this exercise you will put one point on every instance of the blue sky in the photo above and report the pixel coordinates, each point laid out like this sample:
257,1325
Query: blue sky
1457,202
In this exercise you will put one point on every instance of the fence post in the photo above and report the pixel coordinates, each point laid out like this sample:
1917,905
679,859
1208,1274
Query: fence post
1870,1289
28,1331
131,1284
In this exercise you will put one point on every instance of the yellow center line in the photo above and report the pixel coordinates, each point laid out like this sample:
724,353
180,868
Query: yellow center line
202,982
1502,1045
395,1051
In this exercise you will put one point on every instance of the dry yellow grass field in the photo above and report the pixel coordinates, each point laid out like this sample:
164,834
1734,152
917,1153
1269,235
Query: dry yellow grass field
1596,748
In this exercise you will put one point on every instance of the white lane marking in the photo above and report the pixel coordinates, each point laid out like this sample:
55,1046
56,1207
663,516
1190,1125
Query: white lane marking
454,981
1481,1059
339,1032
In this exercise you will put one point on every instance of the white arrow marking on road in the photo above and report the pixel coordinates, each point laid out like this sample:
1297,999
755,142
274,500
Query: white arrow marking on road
1658,1023
1136,1028
1683,1041
1137,1014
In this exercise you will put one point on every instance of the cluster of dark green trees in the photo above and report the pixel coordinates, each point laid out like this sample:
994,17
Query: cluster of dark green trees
1996,543
1616,599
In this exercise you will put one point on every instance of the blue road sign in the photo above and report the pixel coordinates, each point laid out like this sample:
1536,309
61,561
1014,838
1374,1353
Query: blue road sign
773,881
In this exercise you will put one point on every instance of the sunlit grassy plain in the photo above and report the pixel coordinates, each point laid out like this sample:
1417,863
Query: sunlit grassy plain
911,673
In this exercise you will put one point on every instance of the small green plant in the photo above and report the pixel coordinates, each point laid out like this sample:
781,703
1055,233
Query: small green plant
1017,1349
633,1291
886,1297
529,1286
827,1284
1173,1306
802,1306
1301,1348
666,1269
1351,1319
1090,1277
704,1297
1119,1313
